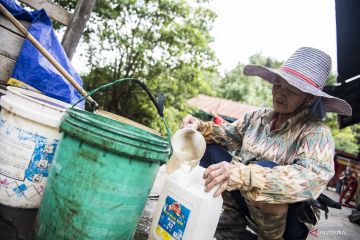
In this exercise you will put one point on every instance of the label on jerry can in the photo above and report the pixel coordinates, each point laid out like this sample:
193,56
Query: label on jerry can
172,221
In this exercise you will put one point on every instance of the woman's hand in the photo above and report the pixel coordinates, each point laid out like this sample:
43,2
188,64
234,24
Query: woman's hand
217,174
191,122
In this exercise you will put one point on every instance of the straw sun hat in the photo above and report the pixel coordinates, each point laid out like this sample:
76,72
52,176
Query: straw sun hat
307,70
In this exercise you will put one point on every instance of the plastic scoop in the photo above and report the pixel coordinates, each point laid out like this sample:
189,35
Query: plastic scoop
188,148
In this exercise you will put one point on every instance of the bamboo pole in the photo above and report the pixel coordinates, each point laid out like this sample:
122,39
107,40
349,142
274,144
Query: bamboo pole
46,54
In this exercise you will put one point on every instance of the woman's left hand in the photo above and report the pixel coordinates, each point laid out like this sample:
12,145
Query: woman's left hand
217,174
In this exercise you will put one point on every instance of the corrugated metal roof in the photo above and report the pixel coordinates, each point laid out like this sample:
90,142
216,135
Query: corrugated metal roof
221,106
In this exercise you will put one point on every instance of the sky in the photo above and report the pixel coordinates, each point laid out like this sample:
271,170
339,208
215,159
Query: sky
276,28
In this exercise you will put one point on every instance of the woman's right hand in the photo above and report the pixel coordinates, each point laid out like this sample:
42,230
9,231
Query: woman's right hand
190,122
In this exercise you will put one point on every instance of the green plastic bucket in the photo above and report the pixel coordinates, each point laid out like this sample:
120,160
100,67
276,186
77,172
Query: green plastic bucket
102,174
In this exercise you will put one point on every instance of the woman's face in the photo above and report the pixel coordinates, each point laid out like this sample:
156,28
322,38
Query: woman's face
286,98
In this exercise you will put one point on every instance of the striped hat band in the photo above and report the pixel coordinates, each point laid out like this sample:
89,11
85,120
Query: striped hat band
305,78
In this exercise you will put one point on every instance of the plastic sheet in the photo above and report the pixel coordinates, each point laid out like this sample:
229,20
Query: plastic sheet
32,68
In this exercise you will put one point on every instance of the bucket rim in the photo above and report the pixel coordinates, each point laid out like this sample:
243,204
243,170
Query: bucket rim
119,132
24,93
98,140
117,140
84,116
79,124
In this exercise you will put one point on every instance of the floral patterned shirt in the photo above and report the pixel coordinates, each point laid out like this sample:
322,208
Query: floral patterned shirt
303,148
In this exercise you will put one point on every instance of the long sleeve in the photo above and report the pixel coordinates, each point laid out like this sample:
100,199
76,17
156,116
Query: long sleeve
228,135
305,179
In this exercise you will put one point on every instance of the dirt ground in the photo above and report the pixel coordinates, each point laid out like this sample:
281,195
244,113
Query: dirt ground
336,227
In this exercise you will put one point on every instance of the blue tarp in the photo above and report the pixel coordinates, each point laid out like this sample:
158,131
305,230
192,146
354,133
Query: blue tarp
32,67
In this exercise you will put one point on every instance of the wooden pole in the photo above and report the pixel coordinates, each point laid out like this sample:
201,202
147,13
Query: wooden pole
76,26
46,54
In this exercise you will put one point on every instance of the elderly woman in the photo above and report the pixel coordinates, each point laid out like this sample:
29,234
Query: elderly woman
286,153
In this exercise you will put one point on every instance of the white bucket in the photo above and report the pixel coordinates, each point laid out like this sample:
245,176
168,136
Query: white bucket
29,134
2,90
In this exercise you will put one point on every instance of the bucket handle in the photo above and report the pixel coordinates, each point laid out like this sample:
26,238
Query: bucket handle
158,104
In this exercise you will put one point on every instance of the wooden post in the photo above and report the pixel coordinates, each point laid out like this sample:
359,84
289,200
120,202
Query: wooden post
76,26
46,54
54,11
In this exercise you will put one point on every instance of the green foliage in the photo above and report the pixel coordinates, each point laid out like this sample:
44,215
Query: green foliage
269,62
250,90
331,79
163,43
346,139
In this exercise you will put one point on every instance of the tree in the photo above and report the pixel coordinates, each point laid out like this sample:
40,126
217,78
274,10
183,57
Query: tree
163,43
346,139
251,90
269,62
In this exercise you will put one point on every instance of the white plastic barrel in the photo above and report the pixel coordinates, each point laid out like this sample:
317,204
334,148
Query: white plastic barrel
2,90
184,210
29,135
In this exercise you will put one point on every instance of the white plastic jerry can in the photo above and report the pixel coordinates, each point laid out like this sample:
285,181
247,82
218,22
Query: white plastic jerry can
185,210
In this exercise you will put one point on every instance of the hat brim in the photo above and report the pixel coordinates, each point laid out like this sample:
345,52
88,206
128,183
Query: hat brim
331,103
